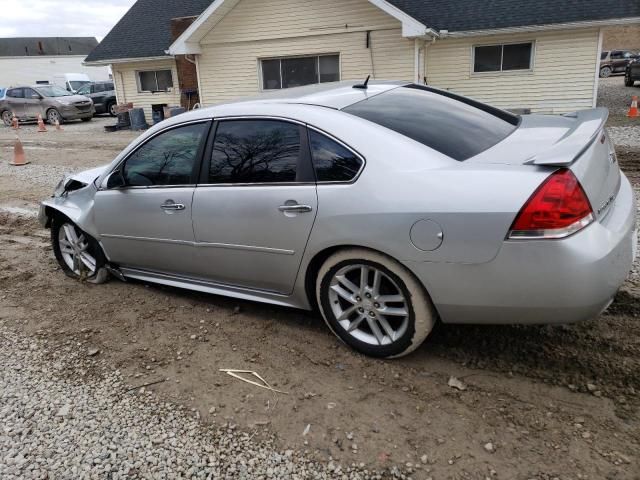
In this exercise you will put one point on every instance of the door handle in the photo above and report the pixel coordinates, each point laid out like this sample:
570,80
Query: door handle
295,208
171,206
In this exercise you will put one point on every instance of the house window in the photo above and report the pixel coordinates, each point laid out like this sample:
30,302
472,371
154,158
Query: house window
503,58
297,71
155,81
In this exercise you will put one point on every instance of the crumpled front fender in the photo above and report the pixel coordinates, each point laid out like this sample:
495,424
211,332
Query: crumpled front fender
76,205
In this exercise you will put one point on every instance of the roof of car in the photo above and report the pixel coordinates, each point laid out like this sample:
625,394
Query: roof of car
337,95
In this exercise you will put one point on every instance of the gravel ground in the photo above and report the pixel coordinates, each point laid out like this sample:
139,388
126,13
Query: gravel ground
89,424
543,403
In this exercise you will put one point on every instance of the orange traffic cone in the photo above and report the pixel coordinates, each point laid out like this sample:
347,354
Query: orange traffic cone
15,124
57,124
18,154
633,110
41,127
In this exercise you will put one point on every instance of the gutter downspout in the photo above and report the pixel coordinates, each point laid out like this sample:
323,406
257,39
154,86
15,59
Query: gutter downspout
596,82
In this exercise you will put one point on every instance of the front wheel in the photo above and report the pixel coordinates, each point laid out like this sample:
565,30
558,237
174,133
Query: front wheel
605,72
373,303
54,116
78,254
112,109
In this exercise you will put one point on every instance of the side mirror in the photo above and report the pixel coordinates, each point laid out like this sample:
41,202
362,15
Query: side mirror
35,96
116,180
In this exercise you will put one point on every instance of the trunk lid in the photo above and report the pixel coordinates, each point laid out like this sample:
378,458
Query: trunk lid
577,141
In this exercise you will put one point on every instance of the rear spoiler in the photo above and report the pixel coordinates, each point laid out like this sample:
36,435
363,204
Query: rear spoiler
589,124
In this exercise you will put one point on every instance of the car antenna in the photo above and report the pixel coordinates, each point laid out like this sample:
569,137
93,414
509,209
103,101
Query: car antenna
363,86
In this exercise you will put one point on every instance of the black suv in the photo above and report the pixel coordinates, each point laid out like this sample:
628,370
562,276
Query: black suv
103,95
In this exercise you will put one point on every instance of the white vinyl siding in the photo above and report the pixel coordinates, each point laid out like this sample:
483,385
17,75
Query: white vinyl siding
125,78
254,20
561,79
255,30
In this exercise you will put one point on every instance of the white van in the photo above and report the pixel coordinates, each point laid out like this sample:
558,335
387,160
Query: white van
71,81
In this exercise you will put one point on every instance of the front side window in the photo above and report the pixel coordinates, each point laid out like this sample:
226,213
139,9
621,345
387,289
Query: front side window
332,161
98,88
455,126
255,151
502,58
29,93
155,81
290,72
167,159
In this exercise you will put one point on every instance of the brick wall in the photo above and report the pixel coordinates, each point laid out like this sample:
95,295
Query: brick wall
621,37
187,74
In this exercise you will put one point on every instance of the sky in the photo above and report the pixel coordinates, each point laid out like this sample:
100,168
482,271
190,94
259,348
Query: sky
60,18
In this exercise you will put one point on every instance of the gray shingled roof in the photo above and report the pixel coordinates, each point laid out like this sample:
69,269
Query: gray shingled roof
465,15
39,46
145,30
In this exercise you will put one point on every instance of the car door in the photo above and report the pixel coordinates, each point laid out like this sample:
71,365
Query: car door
32,103
618,61
98,96
256,205
145,222
15,100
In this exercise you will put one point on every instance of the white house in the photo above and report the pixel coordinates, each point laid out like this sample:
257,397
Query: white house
540,56
32,60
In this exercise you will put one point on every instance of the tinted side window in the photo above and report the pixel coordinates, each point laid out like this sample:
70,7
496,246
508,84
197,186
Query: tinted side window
255,151
455,126
28,93
167,159
332,161
98,87
15,93
603,55
108,86
616,55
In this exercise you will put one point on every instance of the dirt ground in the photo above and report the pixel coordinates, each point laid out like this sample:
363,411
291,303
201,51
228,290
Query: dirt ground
541,402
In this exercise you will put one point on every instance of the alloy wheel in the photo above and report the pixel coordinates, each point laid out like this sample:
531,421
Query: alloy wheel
7,117
605,72
113,110
368,304
53,116
75,251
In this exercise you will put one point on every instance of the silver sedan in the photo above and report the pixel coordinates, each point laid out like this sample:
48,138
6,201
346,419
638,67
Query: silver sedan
386,206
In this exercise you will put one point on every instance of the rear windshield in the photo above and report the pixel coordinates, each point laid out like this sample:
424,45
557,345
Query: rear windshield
455,126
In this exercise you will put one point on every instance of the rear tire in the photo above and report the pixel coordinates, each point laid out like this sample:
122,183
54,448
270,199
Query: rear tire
389,316
605,72
78,254
111,109
7,118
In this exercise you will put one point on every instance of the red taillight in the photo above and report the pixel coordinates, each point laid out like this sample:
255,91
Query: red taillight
556,210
